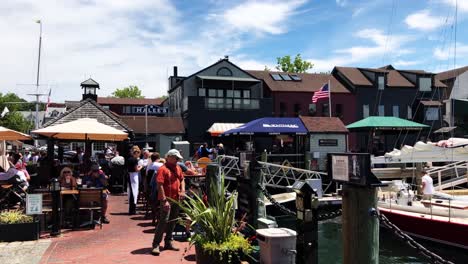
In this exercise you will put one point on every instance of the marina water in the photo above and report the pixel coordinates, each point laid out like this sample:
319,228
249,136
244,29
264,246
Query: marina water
392,250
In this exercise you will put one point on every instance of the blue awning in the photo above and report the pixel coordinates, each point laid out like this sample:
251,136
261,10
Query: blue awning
270,126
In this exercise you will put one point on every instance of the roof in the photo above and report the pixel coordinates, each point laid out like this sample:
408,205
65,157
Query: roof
354,75
446,75
218,128
129,101
323,124
156,125
310,82
90,82
228,78
90,109
385,123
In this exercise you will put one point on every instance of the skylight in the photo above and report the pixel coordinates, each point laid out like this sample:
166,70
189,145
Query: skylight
285,77
295,77
276,77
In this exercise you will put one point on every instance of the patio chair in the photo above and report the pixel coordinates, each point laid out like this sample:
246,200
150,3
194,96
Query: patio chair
90,200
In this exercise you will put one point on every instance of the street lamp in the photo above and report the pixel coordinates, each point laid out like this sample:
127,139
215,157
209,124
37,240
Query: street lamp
55,189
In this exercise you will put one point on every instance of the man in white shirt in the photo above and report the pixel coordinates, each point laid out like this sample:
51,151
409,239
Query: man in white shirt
427,186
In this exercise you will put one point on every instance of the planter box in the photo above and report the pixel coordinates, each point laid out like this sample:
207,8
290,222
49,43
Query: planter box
206,258
19,232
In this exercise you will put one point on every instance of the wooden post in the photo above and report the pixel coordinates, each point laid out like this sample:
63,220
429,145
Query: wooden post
360,228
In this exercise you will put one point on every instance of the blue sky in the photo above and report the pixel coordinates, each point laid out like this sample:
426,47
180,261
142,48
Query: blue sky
121,42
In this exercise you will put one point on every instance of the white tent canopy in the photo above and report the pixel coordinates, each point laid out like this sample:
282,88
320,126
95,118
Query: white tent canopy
218,128
83,129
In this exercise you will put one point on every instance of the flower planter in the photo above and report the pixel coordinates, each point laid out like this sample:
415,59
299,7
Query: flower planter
204,257
19,232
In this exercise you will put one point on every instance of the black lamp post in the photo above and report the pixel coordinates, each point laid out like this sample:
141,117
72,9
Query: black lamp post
54,189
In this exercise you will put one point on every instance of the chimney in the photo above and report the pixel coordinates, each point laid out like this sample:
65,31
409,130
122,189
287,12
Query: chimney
175,71
226,57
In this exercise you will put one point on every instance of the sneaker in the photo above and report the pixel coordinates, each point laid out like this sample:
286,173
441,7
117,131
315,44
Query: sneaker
155,251
170,246
105,220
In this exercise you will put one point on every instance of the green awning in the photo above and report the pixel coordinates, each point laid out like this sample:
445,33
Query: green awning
385,123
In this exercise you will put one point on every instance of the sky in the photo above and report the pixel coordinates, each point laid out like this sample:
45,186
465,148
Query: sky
122,42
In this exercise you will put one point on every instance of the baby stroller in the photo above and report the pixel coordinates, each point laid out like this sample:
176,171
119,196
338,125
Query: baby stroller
12,193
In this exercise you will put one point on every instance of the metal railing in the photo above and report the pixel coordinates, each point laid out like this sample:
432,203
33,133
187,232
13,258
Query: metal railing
228,166
280,176
457,172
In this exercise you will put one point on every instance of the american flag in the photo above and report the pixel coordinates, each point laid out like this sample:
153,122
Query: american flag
322,93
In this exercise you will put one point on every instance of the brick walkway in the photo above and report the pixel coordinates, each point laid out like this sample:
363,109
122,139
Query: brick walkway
127,239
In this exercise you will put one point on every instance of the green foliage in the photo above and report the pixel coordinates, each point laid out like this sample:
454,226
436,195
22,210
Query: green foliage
14,217
15,121
7,100
131,91
297,66
214,224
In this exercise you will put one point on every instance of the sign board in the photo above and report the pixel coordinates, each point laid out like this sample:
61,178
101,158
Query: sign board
152,110
328,142
352,168
33,204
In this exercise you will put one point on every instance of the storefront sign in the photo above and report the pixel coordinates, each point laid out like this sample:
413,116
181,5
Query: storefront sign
34,204
152,110
328,142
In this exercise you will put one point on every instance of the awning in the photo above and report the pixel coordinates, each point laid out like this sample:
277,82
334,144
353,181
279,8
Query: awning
228,78
83,129
431,103
270,126
385,123
9,134
218,128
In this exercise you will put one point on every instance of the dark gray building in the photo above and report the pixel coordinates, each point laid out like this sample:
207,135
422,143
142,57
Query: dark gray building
411,94
221,92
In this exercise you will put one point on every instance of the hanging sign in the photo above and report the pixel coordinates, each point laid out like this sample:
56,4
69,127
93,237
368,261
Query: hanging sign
33,204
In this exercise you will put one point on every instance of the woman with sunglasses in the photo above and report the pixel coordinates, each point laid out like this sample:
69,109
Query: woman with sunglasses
66,179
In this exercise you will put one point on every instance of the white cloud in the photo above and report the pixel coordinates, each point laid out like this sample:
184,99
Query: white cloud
116,42
264,17
462,4
448,52
405,63
382,47
423,20
358,11
341,3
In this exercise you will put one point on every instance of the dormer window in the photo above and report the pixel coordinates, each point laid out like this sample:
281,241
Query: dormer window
224,72
425,84
381,82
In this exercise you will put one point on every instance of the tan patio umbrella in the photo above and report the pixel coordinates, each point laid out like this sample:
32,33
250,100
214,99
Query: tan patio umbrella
9,134
82,129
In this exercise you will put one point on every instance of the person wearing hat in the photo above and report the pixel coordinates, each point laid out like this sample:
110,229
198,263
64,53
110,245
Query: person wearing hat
170,180
97,179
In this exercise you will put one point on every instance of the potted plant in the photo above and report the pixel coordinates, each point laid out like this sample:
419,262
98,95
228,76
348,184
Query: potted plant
216,238
16,226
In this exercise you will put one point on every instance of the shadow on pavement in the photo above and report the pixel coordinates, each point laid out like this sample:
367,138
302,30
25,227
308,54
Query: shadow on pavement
149,231
191,257
142,251
126,213
147,224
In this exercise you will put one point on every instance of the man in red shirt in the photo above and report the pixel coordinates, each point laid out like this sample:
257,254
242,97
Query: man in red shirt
170,184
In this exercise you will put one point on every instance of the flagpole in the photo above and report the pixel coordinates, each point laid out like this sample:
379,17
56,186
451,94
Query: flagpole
329,99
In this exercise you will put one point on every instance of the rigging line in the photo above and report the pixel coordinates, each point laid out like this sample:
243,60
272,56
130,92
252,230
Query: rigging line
452,104
389,31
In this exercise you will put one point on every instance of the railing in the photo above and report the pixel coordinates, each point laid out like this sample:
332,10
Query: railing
231,103
280,176
228,166
457,172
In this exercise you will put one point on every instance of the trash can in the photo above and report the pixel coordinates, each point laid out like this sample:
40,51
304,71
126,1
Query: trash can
277,245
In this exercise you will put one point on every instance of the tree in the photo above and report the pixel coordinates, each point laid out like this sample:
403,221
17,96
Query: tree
15,121
9,100
297,66
131,91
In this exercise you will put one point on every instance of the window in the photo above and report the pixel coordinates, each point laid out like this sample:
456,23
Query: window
224,72
212,103
246,93
339,110
237,103
410,112
285,77
381,82
365,111
202,92
212,92
432,114
297,109
282,110
425,84
396,111
229,93
295,77
237,93
220,93
312,109
105,107
325,110
276,77
99,146
381,110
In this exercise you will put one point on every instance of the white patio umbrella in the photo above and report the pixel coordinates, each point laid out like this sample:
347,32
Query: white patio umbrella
83,129
9,134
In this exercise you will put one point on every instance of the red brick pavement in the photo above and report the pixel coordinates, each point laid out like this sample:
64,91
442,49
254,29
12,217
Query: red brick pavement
127,239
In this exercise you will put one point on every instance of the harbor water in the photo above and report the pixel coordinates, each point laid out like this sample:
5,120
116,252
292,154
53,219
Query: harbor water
392,250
